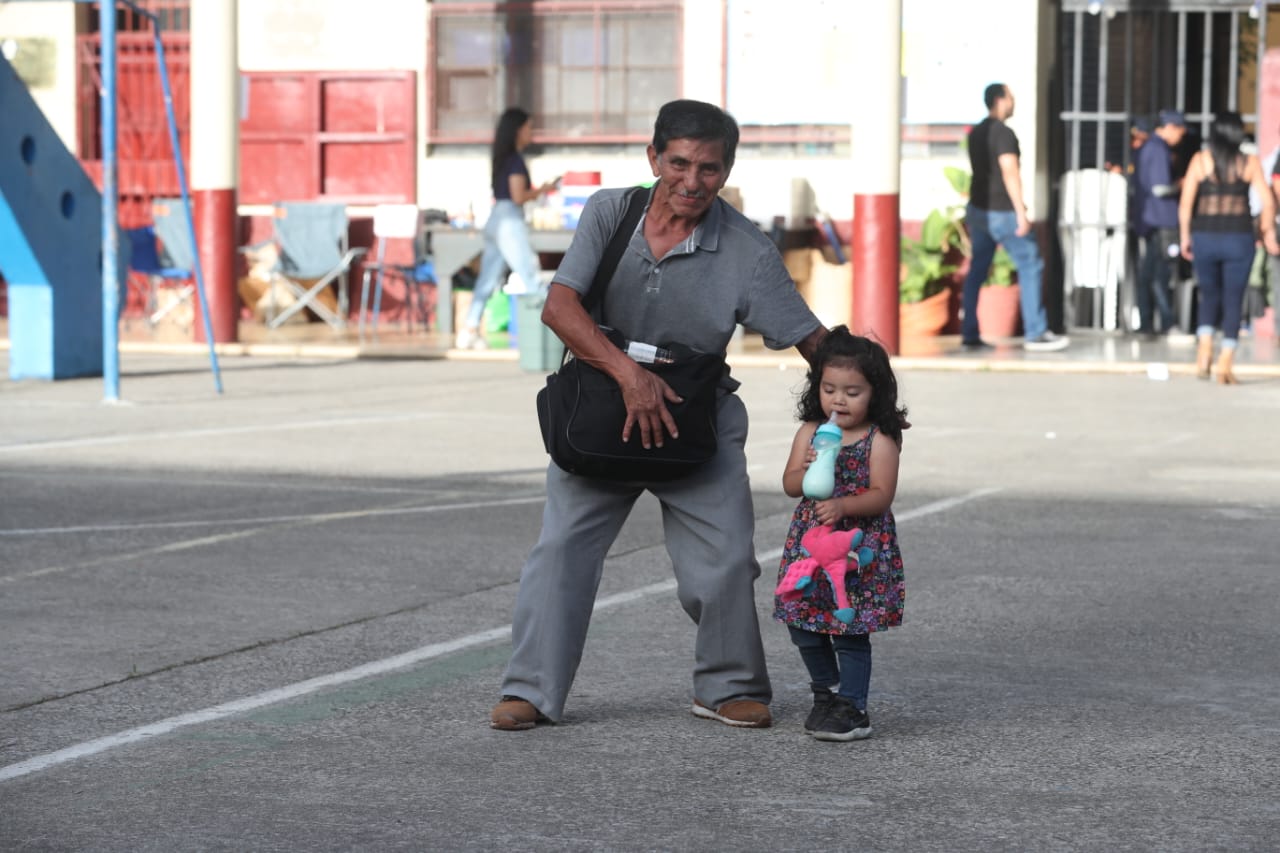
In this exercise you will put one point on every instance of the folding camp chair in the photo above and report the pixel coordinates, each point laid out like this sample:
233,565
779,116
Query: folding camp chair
173,229
399,222
312,239
164,263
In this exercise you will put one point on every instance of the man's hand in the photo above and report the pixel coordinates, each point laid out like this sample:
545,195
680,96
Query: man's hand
646,396
1024,224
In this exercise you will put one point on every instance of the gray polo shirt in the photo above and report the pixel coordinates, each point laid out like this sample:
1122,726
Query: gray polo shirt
727,272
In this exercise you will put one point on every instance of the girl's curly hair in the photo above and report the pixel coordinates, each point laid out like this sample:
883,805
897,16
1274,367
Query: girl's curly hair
842,348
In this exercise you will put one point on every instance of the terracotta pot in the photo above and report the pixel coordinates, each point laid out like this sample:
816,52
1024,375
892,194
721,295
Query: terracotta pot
999,311
926,318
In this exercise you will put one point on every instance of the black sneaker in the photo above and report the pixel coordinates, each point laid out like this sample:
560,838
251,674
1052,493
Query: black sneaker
843,722
976,345
822,700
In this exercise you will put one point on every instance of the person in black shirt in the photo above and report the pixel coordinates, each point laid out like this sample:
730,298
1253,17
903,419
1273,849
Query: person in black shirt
997,215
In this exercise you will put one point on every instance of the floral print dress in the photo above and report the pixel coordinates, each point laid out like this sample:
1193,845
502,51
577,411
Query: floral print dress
878,591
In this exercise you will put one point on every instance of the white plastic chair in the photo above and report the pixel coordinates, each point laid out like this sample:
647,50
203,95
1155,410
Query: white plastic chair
1093,228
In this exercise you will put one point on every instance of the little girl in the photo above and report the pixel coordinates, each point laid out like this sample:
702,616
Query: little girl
850,376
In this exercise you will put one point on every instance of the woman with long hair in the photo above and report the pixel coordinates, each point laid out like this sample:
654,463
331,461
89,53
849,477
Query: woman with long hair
1217,236
506,236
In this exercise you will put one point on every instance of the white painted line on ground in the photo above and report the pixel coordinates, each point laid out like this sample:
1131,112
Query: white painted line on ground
274,519
127,437
264,525
374,668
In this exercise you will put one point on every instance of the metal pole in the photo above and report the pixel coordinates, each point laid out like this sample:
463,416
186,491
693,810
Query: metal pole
1206,75
1257,77
186,198
1233,64
110,231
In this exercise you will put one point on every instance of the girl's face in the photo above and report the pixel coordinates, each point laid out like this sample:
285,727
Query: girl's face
845,391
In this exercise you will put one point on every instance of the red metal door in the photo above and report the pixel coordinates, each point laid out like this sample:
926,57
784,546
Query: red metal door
332,135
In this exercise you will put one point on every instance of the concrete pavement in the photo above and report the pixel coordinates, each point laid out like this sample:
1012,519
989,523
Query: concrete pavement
276,620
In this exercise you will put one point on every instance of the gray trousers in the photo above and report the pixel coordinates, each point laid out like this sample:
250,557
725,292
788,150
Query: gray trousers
709,525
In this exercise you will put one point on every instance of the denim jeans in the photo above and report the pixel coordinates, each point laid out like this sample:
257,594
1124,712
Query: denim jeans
506,247
987,229
843,659
1221,263
1154,273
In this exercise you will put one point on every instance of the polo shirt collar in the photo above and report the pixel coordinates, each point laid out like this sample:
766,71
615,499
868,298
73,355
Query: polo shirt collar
706,235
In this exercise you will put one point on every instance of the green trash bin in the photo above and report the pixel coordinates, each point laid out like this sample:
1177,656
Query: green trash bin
540,349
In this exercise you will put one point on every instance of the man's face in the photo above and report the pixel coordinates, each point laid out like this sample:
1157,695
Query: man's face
1005,105
1173,134
690,174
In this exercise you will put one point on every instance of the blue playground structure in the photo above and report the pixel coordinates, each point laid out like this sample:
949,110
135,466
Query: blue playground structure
50,245
60,247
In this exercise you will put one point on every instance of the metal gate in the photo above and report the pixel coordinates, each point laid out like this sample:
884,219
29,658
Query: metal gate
1118,60
145,166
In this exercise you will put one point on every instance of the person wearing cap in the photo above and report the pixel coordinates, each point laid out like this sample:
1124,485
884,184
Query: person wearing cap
1156,220
997,215
1139,131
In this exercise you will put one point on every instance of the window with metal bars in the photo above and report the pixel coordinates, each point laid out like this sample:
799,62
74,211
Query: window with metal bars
588,70
174,16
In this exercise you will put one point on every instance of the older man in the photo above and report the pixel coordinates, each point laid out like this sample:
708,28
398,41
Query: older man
694,268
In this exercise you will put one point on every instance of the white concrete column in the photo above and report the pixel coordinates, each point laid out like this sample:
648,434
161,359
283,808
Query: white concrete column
875,99
215,146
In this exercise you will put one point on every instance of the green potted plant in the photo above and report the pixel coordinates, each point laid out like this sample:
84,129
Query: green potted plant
925,275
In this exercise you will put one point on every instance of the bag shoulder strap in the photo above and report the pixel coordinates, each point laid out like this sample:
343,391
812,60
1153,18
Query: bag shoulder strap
617,245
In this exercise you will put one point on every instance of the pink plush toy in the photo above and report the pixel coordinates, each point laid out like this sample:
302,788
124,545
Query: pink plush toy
831,551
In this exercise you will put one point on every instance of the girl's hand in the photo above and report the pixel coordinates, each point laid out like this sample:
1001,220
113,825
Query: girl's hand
828,511
808,458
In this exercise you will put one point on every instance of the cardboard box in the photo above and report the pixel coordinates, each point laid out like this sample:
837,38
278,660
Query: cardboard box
828,289
799,264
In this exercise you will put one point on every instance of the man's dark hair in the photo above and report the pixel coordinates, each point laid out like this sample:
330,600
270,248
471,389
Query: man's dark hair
993,93
696,120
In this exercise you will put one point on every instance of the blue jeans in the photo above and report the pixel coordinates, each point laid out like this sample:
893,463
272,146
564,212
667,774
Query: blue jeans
506,247
843,659
987,229
1154,274
1221,263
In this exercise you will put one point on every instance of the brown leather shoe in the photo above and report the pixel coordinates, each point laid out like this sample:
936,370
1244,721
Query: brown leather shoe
514,714
743,713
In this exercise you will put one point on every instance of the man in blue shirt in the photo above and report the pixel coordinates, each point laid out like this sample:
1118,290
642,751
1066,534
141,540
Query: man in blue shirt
1156,220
